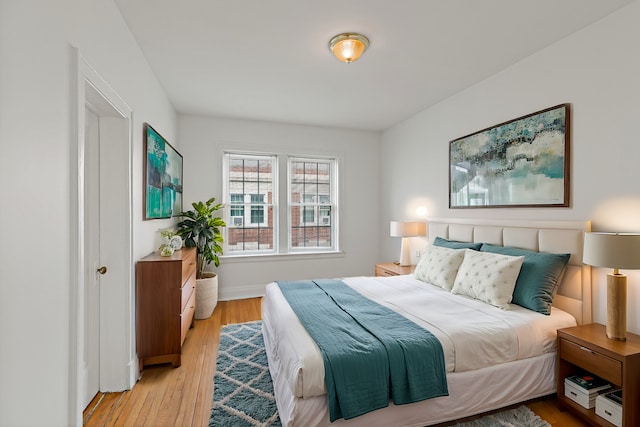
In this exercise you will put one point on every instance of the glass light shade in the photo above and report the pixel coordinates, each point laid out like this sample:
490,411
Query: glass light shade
612,250
348,47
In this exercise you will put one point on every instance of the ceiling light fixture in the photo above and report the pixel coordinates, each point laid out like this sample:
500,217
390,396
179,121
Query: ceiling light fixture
348,47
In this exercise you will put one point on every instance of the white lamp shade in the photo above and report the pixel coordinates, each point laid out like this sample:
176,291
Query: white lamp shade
408,228
612,250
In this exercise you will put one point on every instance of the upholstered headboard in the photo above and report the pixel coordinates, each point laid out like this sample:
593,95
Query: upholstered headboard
574,293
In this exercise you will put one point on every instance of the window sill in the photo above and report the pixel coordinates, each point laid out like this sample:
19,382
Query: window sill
281,257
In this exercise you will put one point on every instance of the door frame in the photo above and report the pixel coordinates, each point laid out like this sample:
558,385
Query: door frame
118,360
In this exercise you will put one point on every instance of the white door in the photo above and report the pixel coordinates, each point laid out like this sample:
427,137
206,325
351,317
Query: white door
102,307
91,354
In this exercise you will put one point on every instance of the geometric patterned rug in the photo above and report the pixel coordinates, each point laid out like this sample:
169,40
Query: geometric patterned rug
242,389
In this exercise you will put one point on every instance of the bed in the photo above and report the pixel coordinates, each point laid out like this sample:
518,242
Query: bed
508,356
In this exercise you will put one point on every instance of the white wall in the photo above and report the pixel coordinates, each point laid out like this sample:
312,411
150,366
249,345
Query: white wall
596,71
202,141
35,162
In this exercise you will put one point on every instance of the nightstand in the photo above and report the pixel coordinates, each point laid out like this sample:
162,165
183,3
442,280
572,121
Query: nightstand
391,269
587,348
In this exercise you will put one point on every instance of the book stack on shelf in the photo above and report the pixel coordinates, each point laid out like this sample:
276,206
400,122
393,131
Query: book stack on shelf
609,407
583,389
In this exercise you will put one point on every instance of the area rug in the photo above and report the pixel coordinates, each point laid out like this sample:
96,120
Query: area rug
243,392
242,388
518,417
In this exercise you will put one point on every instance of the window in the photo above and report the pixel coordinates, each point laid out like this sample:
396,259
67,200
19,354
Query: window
252,200
250,191
308,215
237,210
257,212
311,204
308,212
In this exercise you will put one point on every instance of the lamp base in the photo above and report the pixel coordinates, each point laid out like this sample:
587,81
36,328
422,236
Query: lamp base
617,306
405,252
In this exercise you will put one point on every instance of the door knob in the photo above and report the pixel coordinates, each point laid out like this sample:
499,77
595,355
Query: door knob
102,270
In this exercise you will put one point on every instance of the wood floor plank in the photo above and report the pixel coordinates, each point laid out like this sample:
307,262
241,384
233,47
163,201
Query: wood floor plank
117,412
135,408
204,393
127,411
106,405
192,386
182,397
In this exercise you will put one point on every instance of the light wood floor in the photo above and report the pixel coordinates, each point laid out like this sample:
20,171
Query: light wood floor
182,397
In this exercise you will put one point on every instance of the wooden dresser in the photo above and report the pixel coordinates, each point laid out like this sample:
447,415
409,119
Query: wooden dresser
165,305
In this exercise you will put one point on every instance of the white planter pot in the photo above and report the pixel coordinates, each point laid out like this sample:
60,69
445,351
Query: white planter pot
206,296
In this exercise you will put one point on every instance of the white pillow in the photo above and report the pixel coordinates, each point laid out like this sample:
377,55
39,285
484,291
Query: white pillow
439,266
488,277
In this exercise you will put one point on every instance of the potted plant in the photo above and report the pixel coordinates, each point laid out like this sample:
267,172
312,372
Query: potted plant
200,228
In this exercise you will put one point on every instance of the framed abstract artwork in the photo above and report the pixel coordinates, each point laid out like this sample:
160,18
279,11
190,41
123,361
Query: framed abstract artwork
162,176
520,163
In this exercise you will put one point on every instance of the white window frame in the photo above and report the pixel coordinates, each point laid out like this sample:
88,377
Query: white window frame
246,222
316,204
281,203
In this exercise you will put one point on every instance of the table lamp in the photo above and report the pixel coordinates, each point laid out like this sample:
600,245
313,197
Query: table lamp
406,229
617,251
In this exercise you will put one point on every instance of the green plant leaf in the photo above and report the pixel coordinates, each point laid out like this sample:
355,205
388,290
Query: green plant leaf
200,228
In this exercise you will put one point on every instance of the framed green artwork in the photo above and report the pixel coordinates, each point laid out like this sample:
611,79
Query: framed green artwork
162,176
520,163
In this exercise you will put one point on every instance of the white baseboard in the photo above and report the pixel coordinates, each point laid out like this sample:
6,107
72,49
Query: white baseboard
134,372
241,292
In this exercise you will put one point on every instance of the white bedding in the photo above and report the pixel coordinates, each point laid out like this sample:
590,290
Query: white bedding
474,335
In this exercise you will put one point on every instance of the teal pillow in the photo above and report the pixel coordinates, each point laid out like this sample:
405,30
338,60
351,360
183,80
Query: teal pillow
452,244
538,279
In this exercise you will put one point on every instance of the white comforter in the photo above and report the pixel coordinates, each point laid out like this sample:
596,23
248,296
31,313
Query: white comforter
473,334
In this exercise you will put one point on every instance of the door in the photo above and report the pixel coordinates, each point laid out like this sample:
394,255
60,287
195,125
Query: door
101,312
91,353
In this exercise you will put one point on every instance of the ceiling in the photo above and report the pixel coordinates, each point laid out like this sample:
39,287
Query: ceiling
269,60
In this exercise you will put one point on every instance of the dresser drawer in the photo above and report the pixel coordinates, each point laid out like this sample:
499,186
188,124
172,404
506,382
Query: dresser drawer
186,318
384,272
592,361
188,266
188,288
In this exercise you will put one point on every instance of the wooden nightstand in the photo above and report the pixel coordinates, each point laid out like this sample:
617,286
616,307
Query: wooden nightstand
391,269
587,348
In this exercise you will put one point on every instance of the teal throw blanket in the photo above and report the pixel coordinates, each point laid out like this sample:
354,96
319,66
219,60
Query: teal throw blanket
371,354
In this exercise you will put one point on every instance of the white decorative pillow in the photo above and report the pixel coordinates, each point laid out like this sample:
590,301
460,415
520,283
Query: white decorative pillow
488,277
439,266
